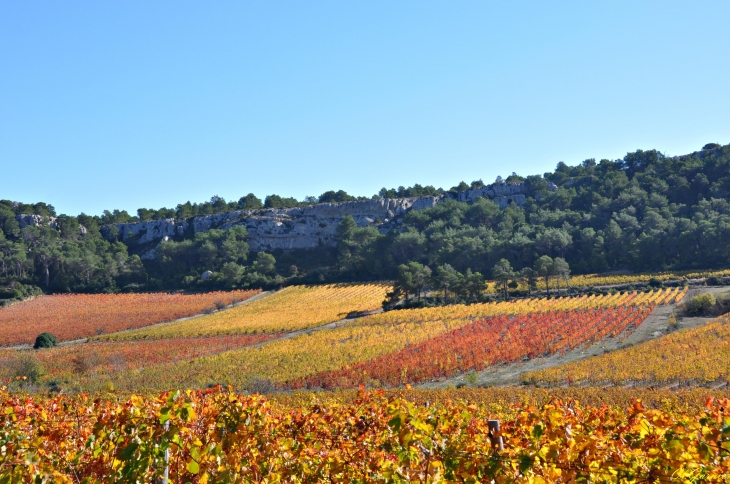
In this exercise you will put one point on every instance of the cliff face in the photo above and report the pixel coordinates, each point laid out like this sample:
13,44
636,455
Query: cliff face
284,228
28,220
299,228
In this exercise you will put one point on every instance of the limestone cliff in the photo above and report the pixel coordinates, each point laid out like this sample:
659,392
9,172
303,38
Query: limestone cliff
283,228
27,220
299,228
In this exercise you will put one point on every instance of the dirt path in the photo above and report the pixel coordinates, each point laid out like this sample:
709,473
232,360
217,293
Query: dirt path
654,326
283,336
324,327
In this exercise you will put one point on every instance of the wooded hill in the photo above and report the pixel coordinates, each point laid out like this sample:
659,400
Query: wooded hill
645,212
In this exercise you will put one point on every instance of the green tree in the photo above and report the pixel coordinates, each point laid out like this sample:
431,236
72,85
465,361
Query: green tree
413,278
529,275
474,285
265,264
502,273
234,247
336,197
11,227
250,202
544,268
561,270
231,273
448,280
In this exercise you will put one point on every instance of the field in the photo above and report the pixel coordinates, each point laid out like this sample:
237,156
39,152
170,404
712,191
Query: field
282,343
97,359
74,316
701,355
381,344
484,343
593,280
292,308
590,280
216,436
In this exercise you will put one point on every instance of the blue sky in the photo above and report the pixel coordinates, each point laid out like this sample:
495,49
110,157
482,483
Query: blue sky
148,104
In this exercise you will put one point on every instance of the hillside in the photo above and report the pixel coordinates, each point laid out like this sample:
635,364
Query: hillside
646,212
222,427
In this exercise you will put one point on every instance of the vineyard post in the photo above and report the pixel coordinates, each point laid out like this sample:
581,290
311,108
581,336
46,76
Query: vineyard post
495,435
166,472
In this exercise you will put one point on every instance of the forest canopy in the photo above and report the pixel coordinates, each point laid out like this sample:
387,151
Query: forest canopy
644,212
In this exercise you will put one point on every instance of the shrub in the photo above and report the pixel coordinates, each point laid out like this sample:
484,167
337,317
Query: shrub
28,366
472,378
672,322
655,282
714,281
45,340
701,305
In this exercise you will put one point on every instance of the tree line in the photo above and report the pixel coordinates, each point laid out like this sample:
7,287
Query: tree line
645,212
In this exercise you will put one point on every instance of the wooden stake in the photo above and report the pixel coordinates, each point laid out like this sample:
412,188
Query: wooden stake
495,435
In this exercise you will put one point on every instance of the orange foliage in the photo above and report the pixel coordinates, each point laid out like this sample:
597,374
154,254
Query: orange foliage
216,436
93,358
73,316
499,339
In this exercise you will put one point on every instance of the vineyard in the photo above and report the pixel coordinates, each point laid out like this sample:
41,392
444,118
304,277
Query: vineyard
505,401
414,345
283,342
217,436
96,359
595,280
701,355
290,309
484,343
76,316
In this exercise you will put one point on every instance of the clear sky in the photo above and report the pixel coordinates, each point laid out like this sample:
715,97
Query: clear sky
124,105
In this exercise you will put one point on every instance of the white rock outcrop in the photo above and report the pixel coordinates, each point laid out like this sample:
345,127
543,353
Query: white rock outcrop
311,226
31,220
150,231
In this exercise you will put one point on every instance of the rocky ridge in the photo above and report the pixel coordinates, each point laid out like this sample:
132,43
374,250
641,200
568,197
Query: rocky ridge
297,228
27,220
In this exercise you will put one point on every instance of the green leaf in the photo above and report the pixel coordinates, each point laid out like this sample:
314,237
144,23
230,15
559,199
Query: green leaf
395,423
193,467
128,451
525,462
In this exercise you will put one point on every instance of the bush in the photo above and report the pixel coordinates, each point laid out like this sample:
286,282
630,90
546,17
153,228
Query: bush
45,340
713,281
28,366
672,322
655,282
701,305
